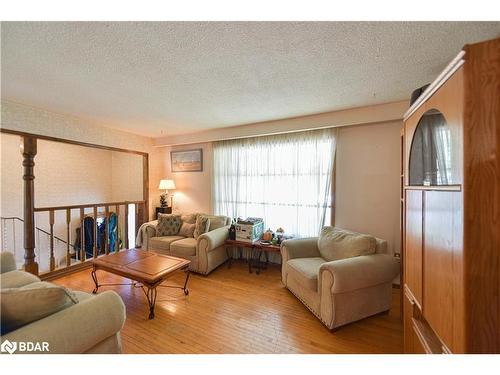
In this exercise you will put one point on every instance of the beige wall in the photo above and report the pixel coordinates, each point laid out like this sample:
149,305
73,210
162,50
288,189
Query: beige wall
194,189
367,180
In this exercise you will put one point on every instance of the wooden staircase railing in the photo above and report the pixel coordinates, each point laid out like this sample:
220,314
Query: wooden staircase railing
94,212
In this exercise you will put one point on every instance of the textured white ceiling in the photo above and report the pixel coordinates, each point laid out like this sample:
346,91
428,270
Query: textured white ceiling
164,78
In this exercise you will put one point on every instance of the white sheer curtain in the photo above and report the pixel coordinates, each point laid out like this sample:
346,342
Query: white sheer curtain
285,179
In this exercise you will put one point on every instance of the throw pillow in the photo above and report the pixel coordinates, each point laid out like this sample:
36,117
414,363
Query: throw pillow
187,230
21,306
335,243
168,225
201,226
216,222
189,218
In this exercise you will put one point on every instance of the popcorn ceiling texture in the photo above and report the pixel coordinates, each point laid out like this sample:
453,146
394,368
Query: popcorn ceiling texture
165,78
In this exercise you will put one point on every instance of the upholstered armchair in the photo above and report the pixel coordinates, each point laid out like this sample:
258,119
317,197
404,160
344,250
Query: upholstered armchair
91,324
343,290
206,252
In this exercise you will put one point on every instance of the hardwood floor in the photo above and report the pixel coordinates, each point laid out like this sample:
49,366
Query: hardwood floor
232,311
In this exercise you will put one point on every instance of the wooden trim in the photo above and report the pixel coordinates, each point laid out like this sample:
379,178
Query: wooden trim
70,141
29,150
482,197
94,229
452,67
145,186
51,275
90,205
68,237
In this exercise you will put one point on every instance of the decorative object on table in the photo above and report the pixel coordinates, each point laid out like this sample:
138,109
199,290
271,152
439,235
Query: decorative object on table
166,185
280,232
187,160
250,229
268,235
232,230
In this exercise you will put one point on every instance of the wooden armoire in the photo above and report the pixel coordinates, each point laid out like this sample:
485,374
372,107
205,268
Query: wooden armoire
451,208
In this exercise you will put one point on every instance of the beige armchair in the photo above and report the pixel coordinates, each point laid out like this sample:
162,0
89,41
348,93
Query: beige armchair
90,326
206,252
341,291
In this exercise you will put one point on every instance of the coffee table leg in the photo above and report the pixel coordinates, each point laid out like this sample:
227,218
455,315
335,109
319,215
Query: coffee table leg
185,289
94,277
151,296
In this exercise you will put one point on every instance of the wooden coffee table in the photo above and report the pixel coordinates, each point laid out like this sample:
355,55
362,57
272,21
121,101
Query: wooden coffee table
147,268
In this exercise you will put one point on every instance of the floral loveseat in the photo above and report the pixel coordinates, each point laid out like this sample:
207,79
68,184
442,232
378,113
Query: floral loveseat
206,252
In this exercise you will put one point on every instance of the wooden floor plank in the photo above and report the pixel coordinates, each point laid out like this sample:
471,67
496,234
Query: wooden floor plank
232,311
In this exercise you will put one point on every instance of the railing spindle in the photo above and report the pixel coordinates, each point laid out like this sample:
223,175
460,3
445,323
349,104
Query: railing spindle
106,238
126,226
95,232
52,258
68,237
117,242
82,234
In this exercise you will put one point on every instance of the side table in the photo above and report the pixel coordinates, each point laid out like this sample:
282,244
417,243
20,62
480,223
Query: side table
256,250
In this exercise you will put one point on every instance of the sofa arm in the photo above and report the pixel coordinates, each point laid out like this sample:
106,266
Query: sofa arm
213,239
300,248
360,272
7,262
145,233
77,328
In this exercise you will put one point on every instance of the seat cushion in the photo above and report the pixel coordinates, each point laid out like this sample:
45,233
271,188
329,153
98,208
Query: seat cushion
183,248
17,279
335,243
21,306
163,243
305,271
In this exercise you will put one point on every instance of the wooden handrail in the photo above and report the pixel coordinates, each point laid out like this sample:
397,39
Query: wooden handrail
89,205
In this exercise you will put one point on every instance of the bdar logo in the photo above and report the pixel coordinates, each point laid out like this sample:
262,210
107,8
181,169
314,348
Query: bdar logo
8,346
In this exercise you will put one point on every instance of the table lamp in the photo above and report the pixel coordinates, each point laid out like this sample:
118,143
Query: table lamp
166,185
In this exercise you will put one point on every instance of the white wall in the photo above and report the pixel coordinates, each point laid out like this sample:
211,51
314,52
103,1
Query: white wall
367,180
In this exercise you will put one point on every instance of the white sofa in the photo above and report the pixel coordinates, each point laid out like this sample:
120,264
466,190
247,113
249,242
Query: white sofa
341,291
206,252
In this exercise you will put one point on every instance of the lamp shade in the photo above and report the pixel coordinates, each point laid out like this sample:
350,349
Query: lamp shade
166,185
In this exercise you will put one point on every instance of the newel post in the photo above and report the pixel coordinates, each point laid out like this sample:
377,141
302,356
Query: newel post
28,150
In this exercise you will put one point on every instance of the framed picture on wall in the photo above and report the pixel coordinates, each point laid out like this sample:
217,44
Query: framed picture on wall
187,160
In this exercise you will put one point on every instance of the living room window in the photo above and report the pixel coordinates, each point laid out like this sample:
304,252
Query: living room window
285,179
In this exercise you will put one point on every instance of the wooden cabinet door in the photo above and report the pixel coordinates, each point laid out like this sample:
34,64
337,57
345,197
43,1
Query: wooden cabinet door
413,243
442,245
